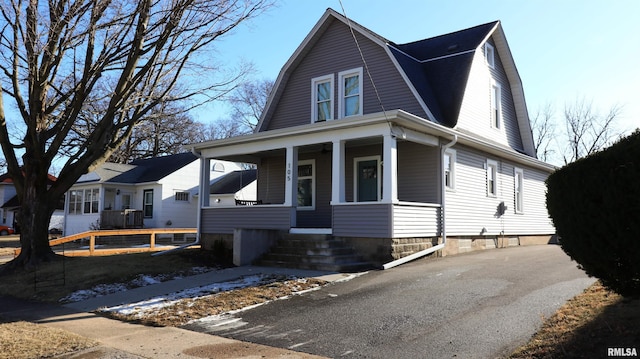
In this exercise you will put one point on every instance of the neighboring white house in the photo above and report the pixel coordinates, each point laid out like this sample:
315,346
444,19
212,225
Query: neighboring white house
9,205
151,193
234,187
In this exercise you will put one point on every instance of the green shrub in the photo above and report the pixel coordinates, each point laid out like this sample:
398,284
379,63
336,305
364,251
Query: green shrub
595,206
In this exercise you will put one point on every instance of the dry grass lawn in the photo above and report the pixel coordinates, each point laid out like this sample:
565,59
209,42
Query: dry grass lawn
190,309
586,326
24,340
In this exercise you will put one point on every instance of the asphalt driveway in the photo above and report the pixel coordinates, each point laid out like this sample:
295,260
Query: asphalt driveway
479,305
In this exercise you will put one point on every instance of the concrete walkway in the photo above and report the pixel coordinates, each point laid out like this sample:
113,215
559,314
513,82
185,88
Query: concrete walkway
128,341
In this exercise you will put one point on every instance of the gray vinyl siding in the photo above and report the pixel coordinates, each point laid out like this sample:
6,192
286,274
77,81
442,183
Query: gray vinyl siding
336,51
225,220
363,220
418,173
321,216
469,209
475,112
271,173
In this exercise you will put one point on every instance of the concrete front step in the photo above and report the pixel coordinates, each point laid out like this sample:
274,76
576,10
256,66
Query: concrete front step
314,251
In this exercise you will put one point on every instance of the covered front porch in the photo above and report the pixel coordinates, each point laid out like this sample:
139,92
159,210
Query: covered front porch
367,177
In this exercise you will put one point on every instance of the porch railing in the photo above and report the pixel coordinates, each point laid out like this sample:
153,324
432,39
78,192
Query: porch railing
127,218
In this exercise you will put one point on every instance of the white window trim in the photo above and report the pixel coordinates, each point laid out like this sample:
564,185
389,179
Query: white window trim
452,171
311,162
314,95
490,55
495,95
492,168
518,197
341,76
378,177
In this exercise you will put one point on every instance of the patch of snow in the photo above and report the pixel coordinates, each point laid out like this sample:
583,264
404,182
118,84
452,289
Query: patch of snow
141,280
140,308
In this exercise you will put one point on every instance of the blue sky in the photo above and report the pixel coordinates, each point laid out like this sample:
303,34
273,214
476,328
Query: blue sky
564,50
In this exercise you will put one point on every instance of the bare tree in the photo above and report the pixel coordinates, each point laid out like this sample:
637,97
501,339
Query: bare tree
543,129
224,128
587,130
248,102
165,132
582,131
108,61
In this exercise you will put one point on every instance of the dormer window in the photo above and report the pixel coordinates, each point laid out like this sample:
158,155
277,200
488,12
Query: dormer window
489,55
350,93
322,98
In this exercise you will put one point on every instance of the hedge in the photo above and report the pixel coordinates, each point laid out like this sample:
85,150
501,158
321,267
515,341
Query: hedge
595,206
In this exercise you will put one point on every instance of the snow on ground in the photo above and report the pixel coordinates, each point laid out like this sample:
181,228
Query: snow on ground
141,280
152,304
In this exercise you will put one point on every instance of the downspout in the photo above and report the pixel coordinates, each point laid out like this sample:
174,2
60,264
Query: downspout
440,246
198,214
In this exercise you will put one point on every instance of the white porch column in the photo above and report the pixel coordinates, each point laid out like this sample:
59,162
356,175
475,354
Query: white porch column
205,180
291,180
337,173
390,169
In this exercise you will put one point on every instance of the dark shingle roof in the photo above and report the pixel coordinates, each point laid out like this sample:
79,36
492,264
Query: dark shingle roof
232,182
439,67
139,171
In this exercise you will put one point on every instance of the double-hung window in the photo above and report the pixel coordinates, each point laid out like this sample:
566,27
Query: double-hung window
492,178
350,93
322,98
75,201
496,105
91,200
518,189
147,204
449,167
306,184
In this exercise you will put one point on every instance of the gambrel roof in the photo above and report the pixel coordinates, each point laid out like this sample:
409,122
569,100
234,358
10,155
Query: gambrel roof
435,69
438,68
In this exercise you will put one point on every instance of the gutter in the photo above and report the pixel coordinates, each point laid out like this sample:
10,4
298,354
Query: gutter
440,246
198,214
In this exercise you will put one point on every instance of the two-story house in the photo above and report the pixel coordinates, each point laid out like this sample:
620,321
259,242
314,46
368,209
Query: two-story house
397,149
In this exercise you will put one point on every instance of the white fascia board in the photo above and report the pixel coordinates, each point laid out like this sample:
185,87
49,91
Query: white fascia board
344,129
417,123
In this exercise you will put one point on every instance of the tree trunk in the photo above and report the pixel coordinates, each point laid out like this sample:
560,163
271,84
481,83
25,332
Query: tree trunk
33,218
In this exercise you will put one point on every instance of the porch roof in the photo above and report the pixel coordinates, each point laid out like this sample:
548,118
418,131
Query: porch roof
396,122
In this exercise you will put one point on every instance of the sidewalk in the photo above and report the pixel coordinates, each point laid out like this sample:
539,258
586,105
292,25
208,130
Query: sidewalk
129,341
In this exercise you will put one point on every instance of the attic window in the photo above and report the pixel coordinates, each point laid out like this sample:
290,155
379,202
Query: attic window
489,55
350,93
322,98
